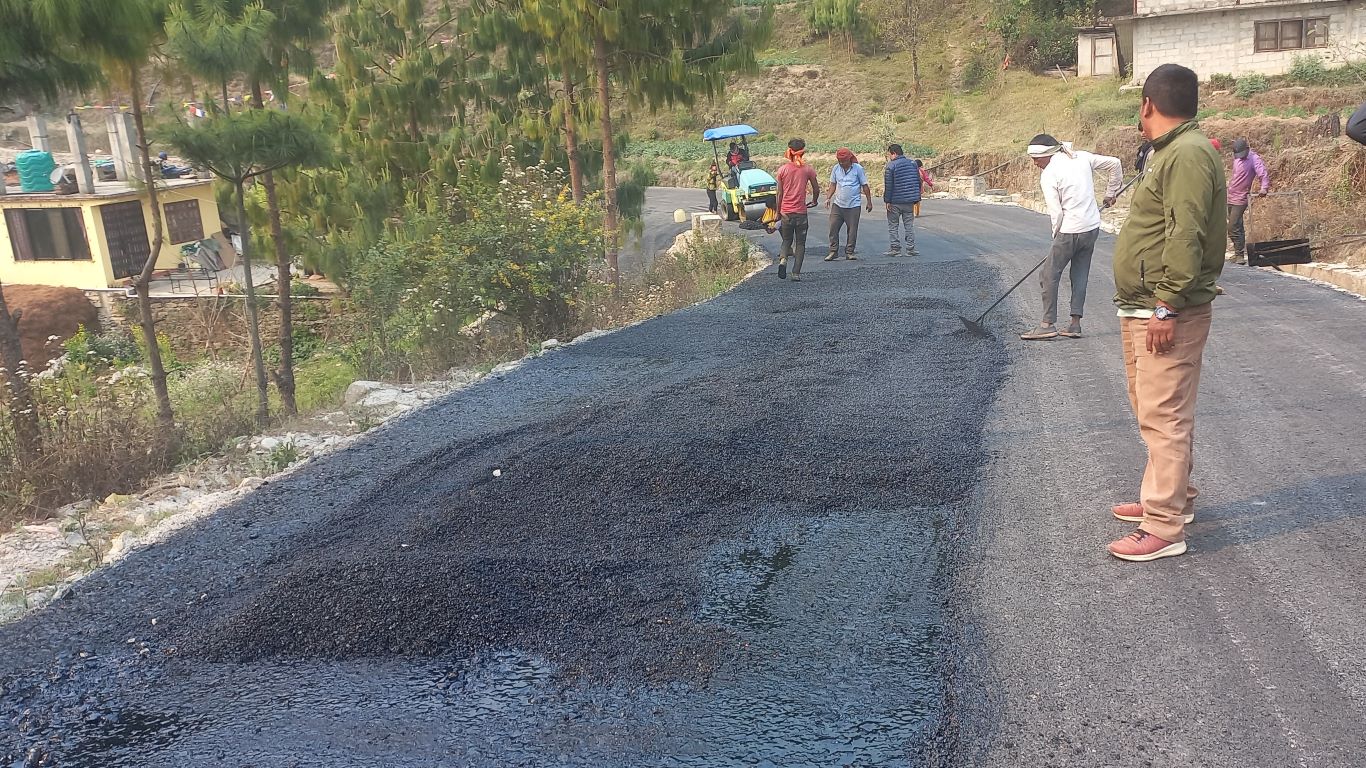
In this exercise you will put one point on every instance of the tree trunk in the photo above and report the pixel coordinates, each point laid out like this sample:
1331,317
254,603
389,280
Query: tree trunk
609,156
143,284
22,411
571,138
284,377
253,317
914,20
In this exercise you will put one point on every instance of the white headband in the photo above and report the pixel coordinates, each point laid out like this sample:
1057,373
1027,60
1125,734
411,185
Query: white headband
1048,150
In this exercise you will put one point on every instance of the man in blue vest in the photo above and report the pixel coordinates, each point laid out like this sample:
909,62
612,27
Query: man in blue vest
901,191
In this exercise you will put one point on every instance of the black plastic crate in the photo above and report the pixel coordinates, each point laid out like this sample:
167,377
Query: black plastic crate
1275,253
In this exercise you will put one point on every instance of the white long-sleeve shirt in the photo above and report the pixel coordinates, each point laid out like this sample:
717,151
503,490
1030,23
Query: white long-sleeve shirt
1069,189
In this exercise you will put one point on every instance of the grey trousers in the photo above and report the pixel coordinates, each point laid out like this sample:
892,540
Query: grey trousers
1071,252
844,217
1236,232
793,231
901,213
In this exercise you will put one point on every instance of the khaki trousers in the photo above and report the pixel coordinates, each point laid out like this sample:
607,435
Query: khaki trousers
1162,392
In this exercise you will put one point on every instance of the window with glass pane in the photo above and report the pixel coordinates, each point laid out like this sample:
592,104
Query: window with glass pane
1268,35
47,234
1316,33
1292,34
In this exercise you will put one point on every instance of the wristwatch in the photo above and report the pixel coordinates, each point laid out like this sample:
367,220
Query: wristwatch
1162,313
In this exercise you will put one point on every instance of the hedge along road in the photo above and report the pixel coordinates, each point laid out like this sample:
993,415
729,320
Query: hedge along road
802,524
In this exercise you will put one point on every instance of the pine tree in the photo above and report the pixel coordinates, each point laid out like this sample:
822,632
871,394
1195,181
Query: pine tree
238,147
121,35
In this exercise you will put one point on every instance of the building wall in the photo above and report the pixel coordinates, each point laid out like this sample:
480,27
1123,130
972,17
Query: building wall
1145,7
96,272
1221,42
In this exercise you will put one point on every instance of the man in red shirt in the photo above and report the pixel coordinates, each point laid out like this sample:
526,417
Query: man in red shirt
793,179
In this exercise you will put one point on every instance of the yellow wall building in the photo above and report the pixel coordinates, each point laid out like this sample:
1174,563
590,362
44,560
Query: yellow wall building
99,240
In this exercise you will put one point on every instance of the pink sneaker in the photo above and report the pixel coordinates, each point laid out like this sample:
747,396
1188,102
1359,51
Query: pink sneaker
1141,546
1132,512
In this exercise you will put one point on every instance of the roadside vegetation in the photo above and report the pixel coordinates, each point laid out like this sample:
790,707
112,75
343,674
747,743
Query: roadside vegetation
452,167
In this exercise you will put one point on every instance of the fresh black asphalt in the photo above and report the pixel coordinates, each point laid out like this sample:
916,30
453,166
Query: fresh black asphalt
805,523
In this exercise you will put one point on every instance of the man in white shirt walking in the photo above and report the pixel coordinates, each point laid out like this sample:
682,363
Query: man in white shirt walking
1069,190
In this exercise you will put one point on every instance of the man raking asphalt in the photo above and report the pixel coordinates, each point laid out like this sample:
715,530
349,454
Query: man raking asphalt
1067,182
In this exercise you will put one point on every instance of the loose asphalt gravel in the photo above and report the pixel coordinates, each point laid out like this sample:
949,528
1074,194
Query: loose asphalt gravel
802,524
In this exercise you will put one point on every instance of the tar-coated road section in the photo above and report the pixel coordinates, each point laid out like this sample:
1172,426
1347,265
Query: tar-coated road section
804,524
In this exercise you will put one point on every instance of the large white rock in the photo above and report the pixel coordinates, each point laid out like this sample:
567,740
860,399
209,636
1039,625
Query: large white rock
359,389
389,400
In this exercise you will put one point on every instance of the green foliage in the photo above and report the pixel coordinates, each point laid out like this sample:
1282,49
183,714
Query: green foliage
281,457
519,248
1040,34
38,61
168,357
845,19
1251,85
631,192
980,69
299,287
1308,70
945,112
321,380
107,350
215,40
240,145
783,59
213,402
1223,82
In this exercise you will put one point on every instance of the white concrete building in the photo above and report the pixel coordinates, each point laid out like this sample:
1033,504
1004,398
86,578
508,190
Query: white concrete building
1234,37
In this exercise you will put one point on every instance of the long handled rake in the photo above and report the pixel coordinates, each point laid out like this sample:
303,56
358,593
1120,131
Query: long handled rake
975,326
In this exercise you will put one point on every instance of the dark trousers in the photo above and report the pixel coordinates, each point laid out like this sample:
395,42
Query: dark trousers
848,218
1236,231
1071,252
793,231
712,205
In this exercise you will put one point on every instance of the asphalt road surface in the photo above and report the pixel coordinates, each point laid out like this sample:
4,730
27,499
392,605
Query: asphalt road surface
803,524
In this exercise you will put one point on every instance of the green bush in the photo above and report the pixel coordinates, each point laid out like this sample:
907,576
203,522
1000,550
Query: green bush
1222,82
520,249
299,287
320,381
981,68
1251,85
102,350
1308,70
945,112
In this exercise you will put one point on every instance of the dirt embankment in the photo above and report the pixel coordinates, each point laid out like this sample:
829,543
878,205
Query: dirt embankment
48,312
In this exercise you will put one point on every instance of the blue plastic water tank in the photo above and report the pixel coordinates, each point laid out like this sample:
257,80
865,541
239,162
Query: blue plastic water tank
35,170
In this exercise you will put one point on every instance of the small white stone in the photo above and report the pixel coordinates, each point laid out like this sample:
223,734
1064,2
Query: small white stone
497,473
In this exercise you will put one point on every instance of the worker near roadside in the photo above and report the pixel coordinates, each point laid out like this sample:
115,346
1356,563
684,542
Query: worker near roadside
1068,184
926,184
1247,167
901,190
1167,258
1356,125
793,178
844,200
713,183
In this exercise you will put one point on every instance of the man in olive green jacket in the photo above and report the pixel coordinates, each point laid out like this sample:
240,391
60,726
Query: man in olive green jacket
1167,258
